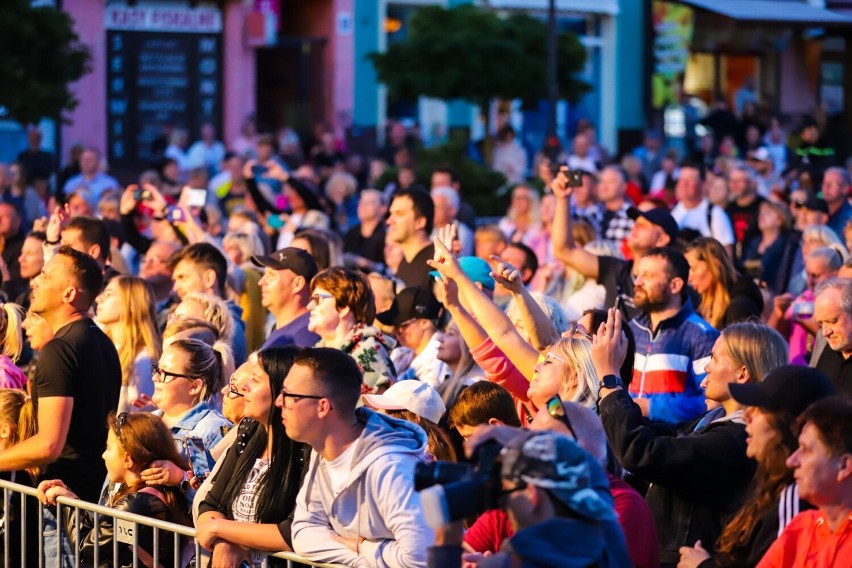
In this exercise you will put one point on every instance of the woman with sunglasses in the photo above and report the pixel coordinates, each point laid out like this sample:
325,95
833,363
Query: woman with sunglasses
134,441
254,490
187,380
698,472
342,309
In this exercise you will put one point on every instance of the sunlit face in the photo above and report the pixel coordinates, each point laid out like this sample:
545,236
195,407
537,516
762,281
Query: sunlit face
232,404
522,200
761,434
403,222
115,458
299,415
700,276
644,236
178,391
610,186
156,261
51,284
721,371
651,288
369,206
78,206
38,330
449,345
833,188
31,259
188,277
547,209
276,288
836,323
444,211
688,186
768,219
109,304
815,469
257,394
324,317
738,183
547,380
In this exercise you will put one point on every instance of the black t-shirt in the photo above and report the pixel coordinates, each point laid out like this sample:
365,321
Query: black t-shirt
615,275
80,362
416,272
838,369
744,219
372,248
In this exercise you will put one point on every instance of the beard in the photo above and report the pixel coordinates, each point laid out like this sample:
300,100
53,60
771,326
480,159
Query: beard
651,301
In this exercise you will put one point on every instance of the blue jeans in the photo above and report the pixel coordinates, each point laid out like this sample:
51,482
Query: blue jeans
54,541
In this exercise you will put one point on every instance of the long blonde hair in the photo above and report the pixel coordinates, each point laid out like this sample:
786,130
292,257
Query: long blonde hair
17,410
578,353
715,301
11,318
138,322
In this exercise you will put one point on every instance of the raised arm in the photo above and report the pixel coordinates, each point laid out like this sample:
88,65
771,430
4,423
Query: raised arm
564,247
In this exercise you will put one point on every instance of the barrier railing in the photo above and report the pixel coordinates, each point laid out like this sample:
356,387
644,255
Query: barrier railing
125,528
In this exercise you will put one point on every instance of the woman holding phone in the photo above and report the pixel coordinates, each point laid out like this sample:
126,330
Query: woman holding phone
254,490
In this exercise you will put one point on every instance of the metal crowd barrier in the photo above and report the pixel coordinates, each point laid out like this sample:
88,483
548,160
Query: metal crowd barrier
125,527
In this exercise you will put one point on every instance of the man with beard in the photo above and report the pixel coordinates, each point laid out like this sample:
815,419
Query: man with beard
673,343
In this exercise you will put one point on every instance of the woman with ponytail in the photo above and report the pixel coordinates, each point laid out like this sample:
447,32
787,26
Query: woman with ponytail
134,441
11,317
254,491
187,383
127,314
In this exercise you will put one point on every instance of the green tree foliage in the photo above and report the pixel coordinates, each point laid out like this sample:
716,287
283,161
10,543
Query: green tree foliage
474,55
40,55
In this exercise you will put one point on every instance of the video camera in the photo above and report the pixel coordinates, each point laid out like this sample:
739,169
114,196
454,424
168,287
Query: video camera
452,491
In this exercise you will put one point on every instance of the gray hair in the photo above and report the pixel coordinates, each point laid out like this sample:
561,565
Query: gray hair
450,194
832,257
842,172
548,305
842,285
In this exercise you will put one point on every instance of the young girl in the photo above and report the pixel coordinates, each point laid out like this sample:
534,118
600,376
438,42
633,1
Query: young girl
11,317
133,442
126,310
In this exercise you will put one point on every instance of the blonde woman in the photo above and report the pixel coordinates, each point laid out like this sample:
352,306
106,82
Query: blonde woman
197,305
11,316
127,314
240,248
521,220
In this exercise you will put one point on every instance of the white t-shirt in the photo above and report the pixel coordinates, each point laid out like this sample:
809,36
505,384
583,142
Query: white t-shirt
696,219
339,469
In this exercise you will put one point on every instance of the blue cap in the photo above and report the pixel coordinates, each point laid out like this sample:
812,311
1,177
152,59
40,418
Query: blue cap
474,268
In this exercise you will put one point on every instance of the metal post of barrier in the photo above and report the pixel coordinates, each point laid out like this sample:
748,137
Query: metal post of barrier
23,530
156,546
77,548
58,535
6,506
40,531
97,529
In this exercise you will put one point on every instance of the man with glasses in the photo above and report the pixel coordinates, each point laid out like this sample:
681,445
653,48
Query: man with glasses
75,385
154,268
357,505
414,315
285,290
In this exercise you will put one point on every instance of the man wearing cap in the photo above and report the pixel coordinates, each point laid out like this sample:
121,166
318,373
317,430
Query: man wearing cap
654,228
835,191
414,396
694,211
744,206
414,314
285,291
833,312
559,505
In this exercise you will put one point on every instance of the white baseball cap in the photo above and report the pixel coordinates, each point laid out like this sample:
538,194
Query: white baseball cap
414,396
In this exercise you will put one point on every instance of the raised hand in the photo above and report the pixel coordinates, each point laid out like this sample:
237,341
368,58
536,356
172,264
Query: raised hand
559,186
445,262
59,219
507,275
609,345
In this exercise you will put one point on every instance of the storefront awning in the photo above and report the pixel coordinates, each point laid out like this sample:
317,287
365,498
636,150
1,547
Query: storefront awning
790,12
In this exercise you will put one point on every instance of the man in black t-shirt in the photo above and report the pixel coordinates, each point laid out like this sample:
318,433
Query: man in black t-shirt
410,224
651,229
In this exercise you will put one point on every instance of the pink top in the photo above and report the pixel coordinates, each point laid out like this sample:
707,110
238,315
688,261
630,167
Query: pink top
801,342
11,377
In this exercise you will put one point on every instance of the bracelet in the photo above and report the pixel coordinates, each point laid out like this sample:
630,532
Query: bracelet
51,243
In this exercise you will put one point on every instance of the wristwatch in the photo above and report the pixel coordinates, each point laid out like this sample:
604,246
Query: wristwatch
611,381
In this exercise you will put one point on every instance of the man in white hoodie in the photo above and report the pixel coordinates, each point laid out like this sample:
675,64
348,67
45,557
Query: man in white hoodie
357,505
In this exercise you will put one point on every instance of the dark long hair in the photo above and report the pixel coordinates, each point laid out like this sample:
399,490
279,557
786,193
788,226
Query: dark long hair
280,484
771,478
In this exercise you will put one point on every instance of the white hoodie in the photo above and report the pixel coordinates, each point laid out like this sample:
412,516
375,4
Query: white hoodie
378,502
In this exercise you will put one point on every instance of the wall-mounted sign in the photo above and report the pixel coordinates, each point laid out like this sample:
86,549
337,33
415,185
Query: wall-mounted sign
156,18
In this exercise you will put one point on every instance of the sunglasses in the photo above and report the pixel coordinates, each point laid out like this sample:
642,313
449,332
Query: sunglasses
557,410
576,329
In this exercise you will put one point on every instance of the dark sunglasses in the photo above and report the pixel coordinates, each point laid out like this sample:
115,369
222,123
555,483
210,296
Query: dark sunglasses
557,410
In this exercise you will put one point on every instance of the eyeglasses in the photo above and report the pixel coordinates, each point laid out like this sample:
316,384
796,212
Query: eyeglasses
153,258
294,396
557,410
548,359
797,204
318,297
159,375
120,421
576,329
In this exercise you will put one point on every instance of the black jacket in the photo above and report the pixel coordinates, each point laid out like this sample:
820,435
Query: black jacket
746,302
139,503
698,478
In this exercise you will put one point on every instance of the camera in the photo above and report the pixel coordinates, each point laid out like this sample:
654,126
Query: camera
452,491
575,177
141,195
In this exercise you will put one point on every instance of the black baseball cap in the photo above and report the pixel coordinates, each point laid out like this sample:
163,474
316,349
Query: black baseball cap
292,258
414,302
792,388
814,203
659,217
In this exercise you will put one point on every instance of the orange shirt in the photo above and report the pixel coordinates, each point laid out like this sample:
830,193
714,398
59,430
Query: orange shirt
808,542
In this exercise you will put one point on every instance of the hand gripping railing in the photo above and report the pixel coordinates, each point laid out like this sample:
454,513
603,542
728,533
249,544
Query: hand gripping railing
125,529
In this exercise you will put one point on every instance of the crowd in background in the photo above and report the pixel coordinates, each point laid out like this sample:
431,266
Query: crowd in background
262,341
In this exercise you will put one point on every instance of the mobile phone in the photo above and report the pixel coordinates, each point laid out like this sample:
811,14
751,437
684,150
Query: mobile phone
200,461
193,197
140,194
175,214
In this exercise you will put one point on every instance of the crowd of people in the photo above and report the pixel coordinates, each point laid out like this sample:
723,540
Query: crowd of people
260,343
